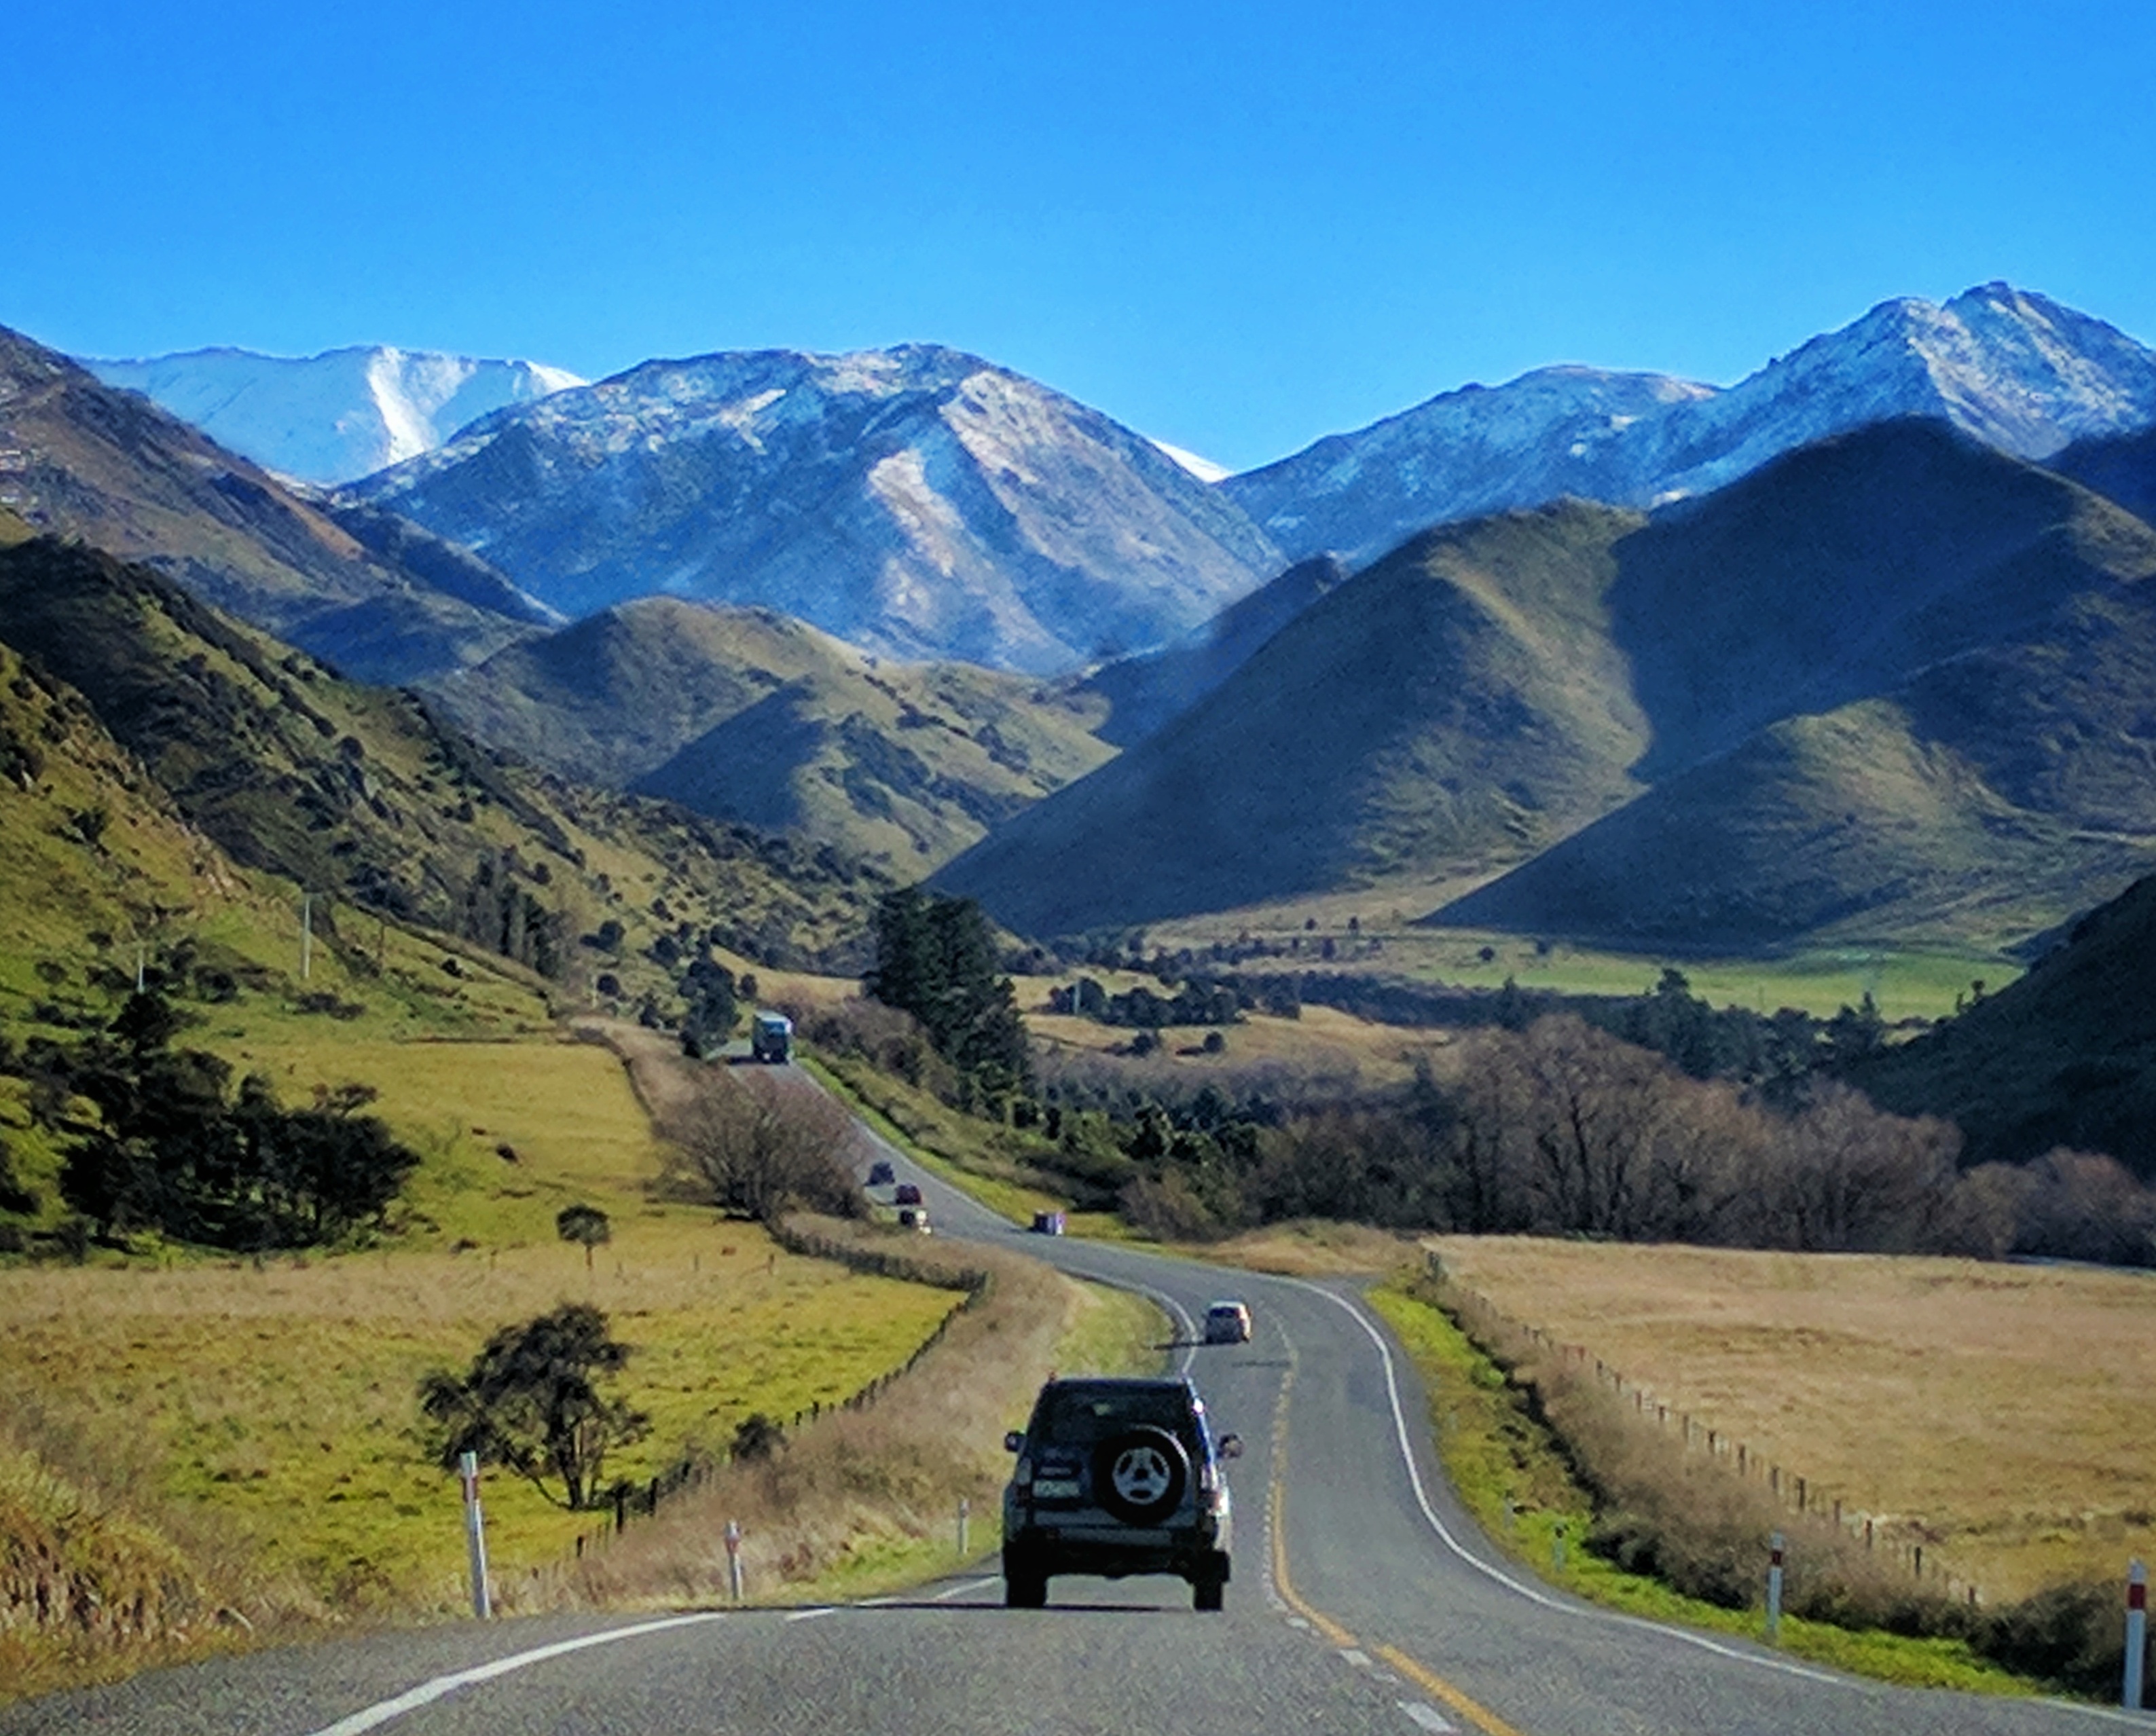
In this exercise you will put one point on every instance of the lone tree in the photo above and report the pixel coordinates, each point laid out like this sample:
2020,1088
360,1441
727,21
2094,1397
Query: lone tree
585,1225
531,1403
762,1147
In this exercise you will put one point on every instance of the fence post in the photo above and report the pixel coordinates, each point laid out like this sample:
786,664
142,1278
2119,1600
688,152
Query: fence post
733,1558
474,1535
965,1513
1774,1591
2137,1633
1556,1547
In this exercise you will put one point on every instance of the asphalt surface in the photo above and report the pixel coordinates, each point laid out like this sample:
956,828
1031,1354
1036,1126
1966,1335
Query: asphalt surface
1364,1601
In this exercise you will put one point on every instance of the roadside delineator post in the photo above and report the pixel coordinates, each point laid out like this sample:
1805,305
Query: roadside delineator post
733,1558
1556,1547
1774,1589
965,1513
2137,1633
474,1535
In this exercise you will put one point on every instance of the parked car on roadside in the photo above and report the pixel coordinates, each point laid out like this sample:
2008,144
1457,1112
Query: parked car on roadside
879,1173
914,1217
907,1194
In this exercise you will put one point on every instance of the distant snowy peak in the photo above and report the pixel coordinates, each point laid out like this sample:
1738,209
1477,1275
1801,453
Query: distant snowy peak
334,417
1204,470
916,502
2018,370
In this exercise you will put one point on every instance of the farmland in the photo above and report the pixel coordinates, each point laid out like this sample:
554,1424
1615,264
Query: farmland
1998,1413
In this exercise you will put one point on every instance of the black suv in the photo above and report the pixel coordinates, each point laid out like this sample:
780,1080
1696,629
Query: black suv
1117,1477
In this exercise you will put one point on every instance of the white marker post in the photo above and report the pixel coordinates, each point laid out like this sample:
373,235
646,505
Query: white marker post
1774,1591
474,1535
2137,1633
965,1513
733,1558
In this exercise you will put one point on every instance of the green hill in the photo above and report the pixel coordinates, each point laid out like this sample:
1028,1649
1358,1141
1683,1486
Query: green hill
1890,688
1458,705
750,715
88,461
2066,1056
363,793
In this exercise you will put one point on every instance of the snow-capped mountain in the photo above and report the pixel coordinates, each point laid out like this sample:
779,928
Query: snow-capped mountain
914,501
1477,450
334,417
2017,370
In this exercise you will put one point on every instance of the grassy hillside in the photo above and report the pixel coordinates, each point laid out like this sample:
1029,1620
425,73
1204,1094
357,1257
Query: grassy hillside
111,468
1982,804
1458,705
1842,571
362,794
751,716
2065,1057
1144,692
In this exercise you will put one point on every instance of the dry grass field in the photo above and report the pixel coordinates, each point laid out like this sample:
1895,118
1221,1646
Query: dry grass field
1999,1413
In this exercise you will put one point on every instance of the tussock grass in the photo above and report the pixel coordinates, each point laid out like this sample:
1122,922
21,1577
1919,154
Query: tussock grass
1996,1414
1522,1478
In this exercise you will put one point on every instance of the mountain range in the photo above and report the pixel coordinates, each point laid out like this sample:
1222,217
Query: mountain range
2018,370
336,416
1895,683
916,502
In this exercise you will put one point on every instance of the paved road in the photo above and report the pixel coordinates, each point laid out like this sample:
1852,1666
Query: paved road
1364,1603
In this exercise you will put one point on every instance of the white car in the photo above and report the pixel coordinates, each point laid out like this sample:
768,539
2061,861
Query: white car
1228,1322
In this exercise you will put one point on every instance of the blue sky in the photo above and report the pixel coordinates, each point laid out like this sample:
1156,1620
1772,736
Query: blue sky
1234,227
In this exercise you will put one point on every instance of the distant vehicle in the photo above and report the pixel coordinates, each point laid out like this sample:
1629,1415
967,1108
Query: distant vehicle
907,1194
879,1175
1117,1476
1228,1322
1048,1223
772,1037
914,1217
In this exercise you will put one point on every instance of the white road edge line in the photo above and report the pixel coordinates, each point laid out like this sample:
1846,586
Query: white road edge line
960,1590
1421,1711
1529,1592
2109,1715
811,1615
427,1692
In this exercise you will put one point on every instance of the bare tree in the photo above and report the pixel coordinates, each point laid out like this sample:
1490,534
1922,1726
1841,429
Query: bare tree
762,1145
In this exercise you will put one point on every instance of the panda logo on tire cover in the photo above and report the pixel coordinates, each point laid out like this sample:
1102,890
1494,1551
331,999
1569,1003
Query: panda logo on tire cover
1140,1474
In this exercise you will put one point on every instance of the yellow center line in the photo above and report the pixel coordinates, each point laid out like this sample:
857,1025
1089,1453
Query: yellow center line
1421,1675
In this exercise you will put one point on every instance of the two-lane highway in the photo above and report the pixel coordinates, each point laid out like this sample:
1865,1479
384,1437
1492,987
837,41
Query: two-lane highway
1364,1602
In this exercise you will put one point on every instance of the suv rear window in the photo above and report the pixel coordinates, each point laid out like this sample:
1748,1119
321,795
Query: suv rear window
1084,1416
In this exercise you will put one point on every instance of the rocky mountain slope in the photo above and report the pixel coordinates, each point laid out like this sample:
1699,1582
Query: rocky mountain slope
1894,684
916,502
2016,370
336,416
749,715
81,458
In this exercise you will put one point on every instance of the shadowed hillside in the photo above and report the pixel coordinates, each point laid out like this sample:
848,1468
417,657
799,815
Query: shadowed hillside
2066,1056
1458,705
745,715
2121,469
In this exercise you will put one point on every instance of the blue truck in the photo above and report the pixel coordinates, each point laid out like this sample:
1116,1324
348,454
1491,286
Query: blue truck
771,1038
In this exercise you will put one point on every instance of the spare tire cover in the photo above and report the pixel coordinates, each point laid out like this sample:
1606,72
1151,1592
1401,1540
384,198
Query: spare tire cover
1140,1474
